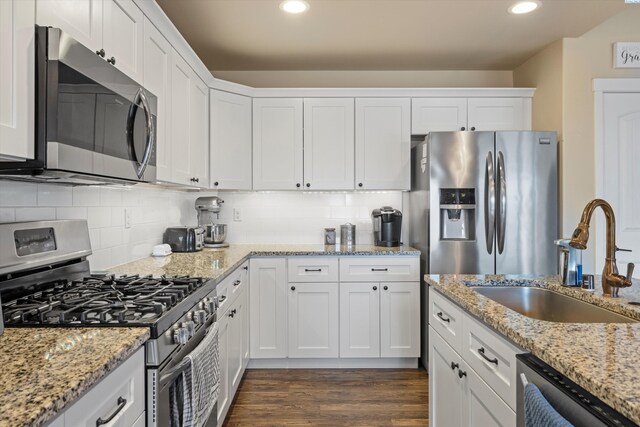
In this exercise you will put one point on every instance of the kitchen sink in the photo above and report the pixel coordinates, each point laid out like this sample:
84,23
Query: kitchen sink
543,304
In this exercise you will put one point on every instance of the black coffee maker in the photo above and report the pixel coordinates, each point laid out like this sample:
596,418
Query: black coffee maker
387,226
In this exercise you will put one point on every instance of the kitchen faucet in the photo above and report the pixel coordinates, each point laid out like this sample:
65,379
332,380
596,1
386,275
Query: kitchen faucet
611,280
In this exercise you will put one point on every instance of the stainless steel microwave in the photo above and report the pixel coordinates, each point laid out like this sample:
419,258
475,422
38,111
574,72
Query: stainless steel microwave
94,124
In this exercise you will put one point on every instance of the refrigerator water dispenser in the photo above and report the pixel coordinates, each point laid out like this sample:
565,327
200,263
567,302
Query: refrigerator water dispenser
457,214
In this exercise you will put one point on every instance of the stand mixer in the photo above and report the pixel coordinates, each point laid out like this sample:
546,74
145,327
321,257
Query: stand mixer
214,234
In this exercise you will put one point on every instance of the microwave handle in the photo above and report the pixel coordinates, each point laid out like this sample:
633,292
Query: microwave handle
140,167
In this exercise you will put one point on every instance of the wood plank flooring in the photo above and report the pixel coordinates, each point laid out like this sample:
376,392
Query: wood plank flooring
331,397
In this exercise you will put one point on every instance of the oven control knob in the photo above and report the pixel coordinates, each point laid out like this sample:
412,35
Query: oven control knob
210,306
180,336
200,316
190,327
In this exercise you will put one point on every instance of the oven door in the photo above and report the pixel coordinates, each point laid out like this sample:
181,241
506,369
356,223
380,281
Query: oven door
165,382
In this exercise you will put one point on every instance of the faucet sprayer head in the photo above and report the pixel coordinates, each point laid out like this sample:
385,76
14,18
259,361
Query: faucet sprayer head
580,237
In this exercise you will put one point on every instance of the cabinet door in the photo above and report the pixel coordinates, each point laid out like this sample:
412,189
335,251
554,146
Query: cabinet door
123,32
329,143
17,77
268,308
482,406
236,351
81,19
496,114
245,331
313,320
179,121
277,143
400,319
359,319
199,128
224,399
383,143
157,71
230,141
438,114
445,386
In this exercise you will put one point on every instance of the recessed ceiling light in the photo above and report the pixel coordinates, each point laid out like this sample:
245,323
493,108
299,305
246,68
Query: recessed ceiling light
294,6
524,7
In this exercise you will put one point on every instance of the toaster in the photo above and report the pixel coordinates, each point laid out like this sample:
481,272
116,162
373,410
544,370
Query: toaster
184,239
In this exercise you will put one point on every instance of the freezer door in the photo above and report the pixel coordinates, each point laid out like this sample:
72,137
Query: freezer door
526,203
461,176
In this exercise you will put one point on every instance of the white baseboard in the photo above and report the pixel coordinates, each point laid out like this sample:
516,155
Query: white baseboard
387,363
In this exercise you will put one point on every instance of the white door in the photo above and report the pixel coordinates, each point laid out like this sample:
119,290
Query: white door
157,71
230,141
123,36
438,115
179,128
199,128
223,348
277,143
329,143
482,406
235,341
619,178
81,19
17,78
313,320
359,319
383,143
400,319
445,386
496,114
268,301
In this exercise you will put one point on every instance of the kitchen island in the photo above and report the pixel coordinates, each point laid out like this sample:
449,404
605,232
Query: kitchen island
600,357
45,369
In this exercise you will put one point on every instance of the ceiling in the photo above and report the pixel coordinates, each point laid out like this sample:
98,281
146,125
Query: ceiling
378,34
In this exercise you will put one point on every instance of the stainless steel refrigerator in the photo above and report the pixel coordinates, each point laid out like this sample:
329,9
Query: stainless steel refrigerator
484,203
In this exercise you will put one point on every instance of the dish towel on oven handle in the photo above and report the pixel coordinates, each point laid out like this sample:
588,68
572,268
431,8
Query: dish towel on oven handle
203,379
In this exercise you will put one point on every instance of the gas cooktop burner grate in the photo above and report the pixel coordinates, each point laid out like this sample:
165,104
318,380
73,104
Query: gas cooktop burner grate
100,299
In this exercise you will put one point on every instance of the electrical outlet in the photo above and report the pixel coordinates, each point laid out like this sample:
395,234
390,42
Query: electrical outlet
236,215
127,217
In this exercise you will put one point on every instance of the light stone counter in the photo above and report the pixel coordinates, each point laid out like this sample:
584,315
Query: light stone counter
602,358
217,263
45,369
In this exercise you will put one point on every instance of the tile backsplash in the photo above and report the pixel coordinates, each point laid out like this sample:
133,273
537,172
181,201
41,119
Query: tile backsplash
152,210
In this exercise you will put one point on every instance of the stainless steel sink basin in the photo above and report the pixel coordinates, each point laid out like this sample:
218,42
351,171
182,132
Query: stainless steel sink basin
543,304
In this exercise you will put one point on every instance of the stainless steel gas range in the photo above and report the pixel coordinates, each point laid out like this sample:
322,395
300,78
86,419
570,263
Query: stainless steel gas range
45,281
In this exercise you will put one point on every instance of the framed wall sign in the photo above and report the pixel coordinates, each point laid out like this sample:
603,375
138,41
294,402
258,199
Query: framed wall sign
626,55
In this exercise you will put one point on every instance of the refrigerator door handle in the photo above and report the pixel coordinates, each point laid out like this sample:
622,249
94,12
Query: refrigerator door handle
502,202
489,203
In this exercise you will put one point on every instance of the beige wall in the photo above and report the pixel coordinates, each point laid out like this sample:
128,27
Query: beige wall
463,78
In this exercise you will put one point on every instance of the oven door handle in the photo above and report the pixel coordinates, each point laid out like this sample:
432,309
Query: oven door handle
140,99
173,373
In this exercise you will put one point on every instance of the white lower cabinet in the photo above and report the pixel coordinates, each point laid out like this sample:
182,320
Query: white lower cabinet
400,319
359,320
313,320
223,348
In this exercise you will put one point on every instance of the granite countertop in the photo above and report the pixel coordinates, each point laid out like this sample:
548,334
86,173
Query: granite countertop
602,358
216,263
45,369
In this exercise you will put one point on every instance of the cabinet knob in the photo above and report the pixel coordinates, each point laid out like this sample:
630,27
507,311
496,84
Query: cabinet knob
215,183
293,288
462,374
359,184
473,128
463,128
246,267
112,60
308,185
197,179
386,288
375,288
100,52
454,366
298,185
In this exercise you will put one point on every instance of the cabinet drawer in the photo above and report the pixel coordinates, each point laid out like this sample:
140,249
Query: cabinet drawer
312,269
446,319
380,269
231,286
492,357
120,393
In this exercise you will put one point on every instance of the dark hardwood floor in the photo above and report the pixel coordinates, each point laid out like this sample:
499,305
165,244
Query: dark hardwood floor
331,397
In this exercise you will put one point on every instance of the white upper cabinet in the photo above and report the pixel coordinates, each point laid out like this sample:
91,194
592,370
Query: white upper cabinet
123,36
277,143
157,71
81,19
383,143
329,143
438,114
17,77
497,114
112,28
199,128
230,127
179,122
